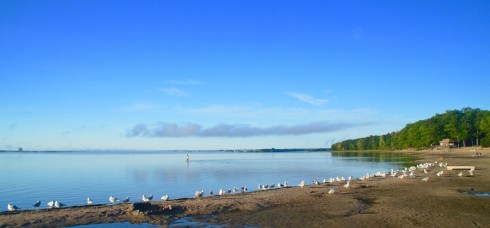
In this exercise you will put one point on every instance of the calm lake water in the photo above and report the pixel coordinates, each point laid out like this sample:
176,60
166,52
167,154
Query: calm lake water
71,177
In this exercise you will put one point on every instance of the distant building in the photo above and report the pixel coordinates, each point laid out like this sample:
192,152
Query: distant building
446,143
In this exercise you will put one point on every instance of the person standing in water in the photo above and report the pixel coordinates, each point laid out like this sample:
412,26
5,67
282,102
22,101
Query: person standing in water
187,158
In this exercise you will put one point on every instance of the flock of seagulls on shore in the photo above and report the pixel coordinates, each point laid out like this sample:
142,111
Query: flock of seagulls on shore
423,168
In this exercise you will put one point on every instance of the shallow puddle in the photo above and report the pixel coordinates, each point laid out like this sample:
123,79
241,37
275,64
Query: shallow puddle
187,222
114,225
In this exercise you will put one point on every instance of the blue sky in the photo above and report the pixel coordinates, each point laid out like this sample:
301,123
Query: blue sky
165,75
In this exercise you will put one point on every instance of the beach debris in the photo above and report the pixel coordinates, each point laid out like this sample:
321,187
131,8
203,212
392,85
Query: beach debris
460,174
331,191
12,207
126,200
470,172
165,198
440,173
37,204
425,179
89,201
113,199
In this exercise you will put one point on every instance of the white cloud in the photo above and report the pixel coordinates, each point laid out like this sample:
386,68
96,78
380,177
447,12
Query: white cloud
308,99
172,91
142,107
234,130
187,82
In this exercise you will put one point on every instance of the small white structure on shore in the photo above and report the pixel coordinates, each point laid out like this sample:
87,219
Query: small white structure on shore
446,143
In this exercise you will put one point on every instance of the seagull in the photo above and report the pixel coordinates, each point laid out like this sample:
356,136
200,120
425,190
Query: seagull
315,182
235,189
302,184
12,207
347,185
460,174
165,198
51,204
439,173
285,184
211,192
146,199
113,199
425,179
37,204
199,194
126,200
89,201
471,172
221,192
331,191
58,204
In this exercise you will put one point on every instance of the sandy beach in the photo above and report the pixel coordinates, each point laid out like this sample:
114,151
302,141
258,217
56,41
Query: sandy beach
447,200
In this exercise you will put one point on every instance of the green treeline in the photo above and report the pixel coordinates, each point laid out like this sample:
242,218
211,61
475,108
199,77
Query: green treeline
466,127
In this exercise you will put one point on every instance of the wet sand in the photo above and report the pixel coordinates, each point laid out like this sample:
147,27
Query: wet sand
376,202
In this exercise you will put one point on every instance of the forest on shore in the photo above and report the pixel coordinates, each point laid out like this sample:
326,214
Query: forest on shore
465,127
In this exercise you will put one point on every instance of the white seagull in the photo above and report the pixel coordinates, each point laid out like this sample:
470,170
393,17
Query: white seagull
113,199
425,179
51,204
89,201
199,194
12,207
165,198
58,204
331,191
302,184
147,198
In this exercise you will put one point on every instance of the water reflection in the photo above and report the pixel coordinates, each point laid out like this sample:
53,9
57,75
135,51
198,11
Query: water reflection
123,174
404,159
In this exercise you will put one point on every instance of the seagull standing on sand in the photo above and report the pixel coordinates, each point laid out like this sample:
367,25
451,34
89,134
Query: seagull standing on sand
145,198
199,194
165,198
51,204
58,204
302,184
89,201
12,207
331,191
37,204
126,200
425,179
113,199
347,184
